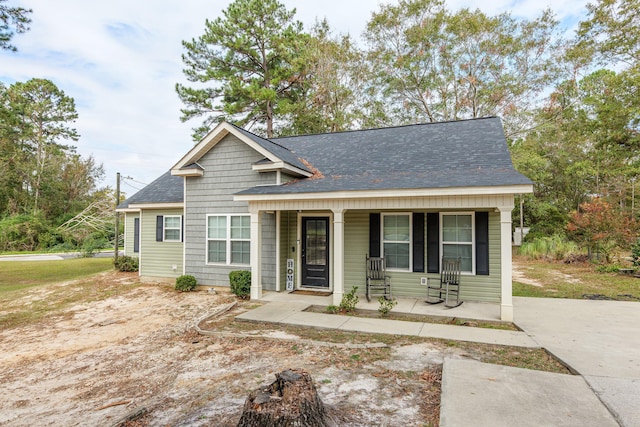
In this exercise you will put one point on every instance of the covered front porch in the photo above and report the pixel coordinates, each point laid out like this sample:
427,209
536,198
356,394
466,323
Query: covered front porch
348,243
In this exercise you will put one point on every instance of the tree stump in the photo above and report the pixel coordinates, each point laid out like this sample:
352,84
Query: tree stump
291,400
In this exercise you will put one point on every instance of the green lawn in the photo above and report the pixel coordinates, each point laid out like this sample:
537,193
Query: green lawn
16,275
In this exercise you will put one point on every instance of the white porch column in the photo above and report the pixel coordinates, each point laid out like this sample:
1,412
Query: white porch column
338,255
506,303
256,255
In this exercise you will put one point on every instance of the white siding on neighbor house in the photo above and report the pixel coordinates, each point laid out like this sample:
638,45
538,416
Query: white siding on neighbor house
129,218
227,170
158,259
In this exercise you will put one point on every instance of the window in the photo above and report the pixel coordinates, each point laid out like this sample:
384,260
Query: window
228,239
457,239
396,241
172,228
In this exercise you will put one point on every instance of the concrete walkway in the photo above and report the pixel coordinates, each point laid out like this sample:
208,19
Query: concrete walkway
597,339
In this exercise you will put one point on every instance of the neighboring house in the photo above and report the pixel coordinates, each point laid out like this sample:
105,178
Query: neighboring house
305,211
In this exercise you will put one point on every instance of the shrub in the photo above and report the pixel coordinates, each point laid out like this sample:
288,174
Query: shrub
92,244
555,247
240,283
635,253
386,305
126,263
349,301
333,309
186,283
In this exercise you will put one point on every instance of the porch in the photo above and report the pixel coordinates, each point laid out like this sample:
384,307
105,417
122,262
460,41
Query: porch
349,237
471,310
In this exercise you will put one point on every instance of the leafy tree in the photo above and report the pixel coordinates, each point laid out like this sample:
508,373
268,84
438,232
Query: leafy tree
436,65
248,59
44,113
335,92
12,20
600,227
612,32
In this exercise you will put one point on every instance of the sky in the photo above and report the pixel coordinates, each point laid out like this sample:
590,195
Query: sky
121,59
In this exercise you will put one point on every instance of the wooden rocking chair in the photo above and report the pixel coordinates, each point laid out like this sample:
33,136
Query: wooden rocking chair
448,285
377,279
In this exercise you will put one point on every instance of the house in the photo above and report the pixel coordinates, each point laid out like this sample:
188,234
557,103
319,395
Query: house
305,211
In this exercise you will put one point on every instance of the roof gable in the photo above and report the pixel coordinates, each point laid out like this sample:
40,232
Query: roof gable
274,153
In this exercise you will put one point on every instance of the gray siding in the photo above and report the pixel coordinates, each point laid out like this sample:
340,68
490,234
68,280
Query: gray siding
129,218
227,170
158,259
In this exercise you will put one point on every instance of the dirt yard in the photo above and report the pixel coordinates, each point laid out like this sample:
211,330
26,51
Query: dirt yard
97,361
105,348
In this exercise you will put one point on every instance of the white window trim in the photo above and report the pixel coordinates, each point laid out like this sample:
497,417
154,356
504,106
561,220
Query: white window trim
382,241
227,240
473,240
165,228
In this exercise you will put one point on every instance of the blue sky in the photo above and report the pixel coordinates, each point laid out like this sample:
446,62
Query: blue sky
120,61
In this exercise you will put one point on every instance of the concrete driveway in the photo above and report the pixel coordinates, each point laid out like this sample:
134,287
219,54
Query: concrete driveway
598,339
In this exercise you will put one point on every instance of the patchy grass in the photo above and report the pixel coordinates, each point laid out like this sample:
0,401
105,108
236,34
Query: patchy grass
577,281
527,358
16,275
28,306
409,317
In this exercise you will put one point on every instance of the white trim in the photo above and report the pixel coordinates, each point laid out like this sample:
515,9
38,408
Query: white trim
280,166
188,172
139,206
165,228
328,215
184,226
278,272
441,242
227,240
410,215
127,210
410,192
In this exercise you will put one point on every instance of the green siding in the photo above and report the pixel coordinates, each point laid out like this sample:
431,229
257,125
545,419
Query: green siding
476,288
158,258
129,217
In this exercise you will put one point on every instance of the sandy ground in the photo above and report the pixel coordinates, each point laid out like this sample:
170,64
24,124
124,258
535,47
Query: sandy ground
99,361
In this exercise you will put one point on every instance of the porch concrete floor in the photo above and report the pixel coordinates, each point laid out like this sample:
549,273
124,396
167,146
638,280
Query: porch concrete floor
468,310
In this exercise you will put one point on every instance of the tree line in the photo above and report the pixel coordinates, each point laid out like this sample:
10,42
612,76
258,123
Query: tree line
44,182
569,103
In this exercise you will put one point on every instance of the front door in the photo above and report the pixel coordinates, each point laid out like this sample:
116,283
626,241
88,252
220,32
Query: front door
315,252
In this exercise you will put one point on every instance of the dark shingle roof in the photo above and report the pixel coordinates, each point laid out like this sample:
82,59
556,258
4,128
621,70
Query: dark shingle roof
273,147
465,153
166,189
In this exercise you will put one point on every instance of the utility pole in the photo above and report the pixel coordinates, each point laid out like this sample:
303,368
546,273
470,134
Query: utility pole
117,239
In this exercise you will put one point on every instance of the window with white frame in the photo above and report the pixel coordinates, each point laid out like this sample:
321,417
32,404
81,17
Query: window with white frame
457,239
228,239
172,228
396,241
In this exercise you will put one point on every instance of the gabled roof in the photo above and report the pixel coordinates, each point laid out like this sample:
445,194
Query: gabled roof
167,189
465,153
273,152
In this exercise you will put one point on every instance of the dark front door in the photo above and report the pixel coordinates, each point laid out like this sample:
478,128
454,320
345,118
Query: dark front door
315,252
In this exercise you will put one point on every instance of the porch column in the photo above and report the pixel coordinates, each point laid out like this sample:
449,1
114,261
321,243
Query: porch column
338,255
256,255
506,301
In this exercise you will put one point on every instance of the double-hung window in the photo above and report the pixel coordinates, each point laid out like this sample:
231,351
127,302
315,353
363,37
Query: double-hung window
172,228
457,239
396,241
228,239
